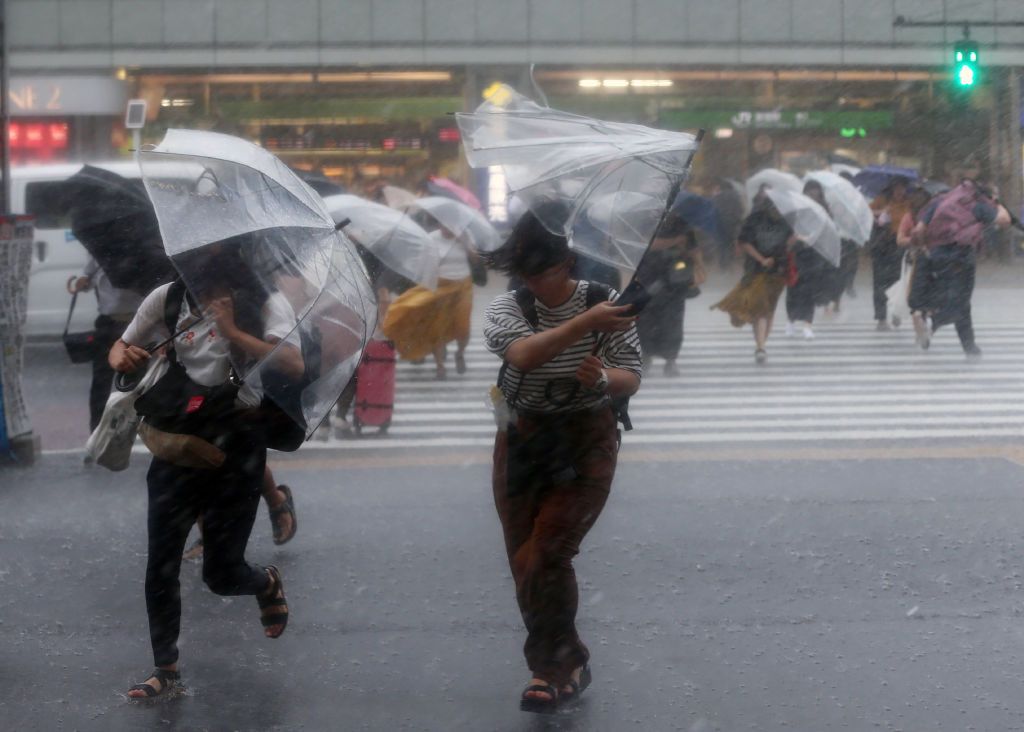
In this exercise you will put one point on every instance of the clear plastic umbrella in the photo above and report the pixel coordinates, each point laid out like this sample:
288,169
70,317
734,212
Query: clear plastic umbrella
397,197
559,163
391,236
809,221
772,178
849,208
237,222
463,221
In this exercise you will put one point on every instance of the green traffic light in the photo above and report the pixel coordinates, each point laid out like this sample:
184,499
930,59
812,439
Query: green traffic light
965,76
965,63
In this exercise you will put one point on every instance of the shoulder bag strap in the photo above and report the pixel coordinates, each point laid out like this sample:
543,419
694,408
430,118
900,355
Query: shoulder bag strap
71,311
528,305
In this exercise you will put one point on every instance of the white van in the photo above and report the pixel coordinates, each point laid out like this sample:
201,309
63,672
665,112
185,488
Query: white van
57,255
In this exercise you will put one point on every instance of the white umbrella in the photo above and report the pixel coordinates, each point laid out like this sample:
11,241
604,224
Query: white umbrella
232,215
772,178
558,162
461,220
809,221
398,197
390,235
849,208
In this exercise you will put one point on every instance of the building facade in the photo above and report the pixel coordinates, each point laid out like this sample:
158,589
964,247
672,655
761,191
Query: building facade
362,89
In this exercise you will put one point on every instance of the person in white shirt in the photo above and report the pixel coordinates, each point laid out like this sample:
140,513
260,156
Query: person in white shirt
230,312
116,307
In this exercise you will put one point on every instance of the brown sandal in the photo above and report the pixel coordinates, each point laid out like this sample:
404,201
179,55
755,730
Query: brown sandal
274,598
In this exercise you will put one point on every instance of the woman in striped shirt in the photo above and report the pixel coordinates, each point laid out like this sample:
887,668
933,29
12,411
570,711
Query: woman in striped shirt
555,458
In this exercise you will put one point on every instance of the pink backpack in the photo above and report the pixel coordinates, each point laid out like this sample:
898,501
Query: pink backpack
953,221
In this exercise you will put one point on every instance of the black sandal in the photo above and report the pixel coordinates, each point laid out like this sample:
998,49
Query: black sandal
536,705
577,688
274,597
168,682
286,507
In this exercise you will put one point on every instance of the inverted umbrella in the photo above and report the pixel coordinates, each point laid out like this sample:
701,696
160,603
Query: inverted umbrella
874,179
445,187
395,239
234,218
461,220
850,210
772,178
114,220
809,221
554,157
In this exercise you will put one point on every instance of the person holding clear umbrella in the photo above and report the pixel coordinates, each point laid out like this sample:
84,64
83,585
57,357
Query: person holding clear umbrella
764,240
245,318
568,355
808,276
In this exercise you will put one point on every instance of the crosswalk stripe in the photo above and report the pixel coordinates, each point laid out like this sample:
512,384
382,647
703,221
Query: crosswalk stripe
849,384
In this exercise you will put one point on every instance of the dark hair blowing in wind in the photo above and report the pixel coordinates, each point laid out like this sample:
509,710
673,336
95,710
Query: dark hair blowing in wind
531,248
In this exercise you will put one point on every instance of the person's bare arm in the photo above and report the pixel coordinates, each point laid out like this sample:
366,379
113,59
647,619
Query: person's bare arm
751,251
1002,217
534,351
288,358
621,382
127,358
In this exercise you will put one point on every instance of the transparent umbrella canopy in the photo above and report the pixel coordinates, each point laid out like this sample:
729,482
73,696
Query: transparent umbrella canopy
390,235
237,221
464,222
809,221
772,178
850,209
559,164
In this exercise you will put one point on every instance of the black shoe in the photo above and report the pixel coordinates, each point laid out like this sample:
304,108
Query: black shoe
972,352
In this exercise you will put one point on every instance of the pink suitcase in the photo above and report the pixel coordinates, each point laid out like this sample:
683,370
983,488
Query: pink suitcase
375,387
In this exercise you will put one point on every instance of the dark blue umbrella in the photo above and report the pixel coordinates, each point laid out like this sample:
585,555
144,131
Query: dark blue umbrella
874,179
698,212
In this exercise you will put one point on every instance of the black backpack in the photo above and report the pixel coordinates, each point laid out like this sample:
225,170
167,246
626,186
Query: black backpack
597,292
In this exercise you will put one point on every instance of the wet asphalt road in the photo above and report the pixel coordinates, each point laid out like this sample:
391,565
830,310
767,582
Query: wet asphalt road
770,594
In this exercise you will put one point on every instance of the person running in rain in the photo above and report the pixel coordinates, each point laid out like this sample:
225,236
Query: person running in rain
116,308
919,293
422,321
671,272
807,276
952,228
245,319
555,451
764,240
886,257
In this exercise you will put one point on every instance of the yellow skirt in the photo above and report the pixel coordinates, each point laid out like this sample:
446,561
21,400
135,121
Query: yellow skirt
753,298
422,320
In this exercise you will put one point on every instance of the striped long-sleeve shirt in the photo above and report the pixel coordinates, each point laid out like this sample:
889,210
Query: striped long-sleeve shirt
546,388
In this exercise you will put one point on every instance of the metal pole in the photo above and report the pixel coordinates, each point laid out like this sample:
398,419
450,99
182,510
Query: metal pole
5,118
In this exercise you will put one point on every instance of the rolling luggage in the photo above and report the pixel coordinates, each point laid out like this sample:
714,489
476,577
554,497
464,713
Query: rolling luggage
375,387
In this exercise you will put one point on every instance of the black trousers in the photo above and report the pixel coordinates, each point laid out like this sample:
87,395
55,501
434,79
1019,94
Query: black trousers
107,331
227,499
952,270
886,260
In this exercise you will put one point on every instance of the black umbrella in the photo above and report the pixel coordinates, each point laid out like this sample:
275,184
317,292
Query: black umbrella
114,220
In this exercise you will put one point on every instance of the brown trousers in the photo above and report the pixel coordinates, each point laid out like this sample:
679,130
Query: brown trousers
543,529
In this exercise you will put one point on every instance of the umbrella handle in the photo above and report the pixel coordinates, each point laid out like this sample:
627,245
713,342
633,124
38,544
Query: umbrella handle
342,224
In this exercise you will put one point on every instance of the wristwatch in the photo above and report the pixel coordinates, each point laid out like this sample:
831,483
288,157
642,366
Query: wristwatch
602,382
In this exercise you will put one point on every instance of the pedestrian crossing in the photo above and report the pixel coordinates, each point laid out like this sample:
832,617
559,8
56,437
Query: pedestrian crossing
850,384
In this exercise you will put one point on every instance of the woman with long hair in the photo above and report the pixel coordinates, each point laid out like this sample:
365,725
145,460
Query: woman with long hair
227,312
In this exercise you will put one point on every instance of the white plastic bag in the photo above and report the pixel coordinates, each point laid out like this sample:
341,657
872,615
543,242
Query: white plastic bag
110,444
896,295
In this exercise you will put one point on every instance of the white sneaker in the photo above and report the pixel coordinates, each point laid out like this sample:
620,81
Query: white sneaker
808,333
790,330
